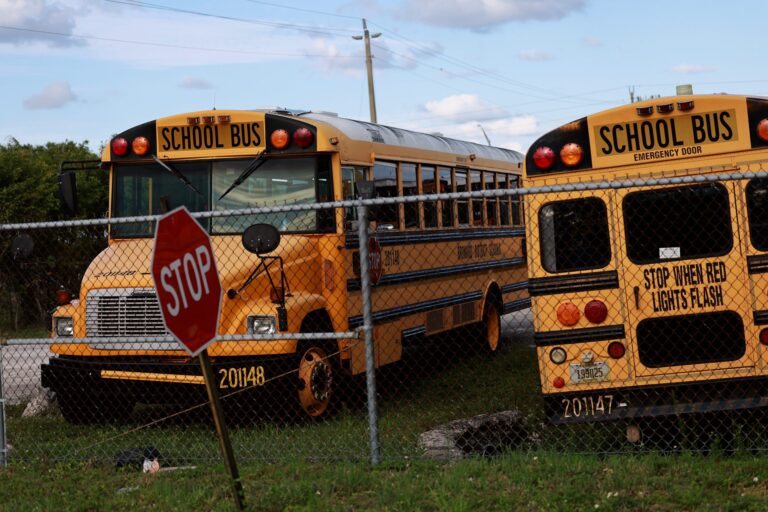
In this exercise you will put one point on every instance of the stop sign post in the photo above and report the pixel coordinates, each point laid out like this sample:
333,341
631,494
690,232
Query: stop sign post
189,292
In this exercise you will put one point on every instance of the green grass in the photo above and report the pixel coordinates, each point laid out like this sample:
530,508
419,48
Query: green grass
516,481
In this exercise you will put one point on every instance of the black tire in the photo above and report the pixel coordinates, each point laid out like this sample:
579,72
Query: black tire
318,376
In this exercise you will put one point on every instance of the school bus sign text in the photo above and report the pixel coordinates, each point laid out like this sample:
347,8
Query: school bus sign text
666,137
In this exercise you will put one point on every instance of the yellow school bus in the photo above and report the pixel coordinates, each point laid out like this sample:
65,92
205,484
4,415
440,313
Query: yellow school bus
445,263
649,269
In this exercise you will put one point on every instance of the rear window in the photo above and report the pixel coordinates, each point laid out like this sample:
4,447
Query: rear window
574,235
757,211
677,223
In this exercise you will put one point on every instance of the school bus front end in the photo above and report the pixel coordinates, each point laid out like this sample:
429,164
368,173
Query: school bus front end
111,347
646,274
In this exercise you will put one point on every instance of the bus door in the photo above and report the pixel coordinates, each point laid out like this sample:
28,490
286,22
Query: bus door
755,192
688,305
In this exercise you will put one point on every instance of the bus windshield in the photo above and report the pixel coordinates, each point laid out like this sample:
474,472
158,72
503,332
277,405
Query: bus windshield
148,189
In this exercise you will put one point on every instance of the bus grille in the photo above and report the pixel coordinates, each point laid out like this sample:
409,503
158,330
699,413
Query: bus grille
123,312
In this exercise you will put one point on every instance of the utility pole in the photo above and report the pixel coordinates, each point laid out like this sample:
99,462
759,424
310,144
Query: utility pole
369,64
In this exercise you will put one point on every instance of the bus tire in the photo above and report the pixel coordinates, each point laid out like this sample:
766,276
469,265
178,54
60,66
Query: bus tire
491,327
316,387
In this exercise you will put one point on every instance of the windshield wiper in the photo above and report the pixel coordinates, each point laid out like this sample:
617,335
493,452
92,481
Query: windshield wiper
176,173
250,168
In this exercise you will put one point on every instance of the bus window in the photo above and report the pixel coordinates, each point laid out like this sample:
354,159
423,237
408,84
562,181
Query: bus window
574,235
410,188
503,201
491,204
385,183
429,186
462,204
477,204
446,207
349,178
658,223
517,220
757,211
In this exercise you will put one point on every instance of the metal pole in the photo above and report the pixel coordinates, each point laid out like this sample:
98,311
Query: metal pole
3,444
370,361
367,36
221,428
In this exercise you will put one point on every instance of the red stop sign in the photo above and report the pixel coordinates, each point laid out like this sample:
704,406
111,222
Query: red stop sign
186,280
375,268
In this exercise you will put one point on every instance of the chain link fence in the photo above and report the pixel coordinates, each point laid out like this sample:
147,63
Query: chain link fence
649,294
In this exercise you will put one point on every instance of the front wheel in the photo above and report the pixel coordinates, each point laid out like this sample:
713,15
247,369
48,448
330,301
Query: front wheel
316,385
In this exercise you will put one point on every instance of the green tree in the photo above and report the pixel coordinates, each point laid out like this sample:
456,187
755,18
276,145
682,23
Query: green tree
29,193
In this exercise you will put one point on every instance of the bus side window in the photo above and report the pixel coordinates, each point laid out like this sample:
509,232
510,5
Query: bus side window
462,204
477,204
492,204
503,200
517,219
410,188
446,207
574,235
349,177
385,182
429,186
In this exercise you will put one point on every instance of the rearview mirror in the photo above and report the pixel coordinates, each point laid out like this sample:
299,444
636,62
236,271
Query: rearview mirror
68,193
261,238
21,247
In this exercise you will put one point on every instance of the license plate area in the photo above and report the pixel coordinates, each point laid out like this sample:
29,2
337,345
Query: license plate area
587,407
595,372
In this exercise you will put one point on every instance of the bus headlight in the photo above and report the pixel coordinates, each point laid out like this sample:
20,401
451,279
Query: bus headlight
64,326
261,325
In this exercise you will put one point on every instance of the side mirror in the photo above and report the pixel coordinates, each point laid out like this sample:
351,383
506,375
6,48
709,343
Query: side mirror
68,193
261,238
21,247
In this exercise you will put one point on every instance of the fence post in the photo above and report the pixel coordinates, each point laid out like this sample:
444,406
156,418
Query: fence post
370,361
3,444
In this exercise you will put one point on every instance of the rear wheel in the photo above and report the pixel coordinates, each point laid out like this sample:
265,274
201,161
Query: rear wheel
316,387
491,327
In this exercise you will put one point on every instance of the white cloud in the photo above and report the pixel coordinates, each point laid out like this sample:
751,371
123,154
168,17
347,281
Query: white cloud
33,20
190,82
481,15
535,55
54,95
692,68
463,107
592,42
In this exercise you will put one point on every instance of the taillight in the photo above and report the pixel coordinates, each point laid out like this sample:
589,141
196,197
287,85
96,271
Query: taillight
568,313
764,336
557,355
762,129
303,138
616,350
571,154
543,157
209,119
596,311
119,146
558,382
140,146
279,138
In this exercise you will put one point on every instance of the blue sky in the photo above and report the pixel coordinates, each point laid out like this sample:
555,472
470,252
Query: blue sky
86,69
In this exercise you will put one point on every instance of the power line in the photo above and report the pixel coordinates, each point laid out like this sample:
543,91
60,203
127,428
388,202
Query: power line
165,45
304,10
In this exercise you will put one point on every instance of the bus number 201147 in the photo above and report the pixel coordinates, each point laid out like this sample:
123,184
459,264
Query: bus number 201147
585,406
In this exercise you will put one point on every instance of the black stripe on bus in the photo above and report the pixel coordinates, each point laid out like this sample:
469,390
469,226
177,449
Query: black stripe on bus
608,332
516,305
386,315
514,287
353,285
757,264
761,317
424,237
568,284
